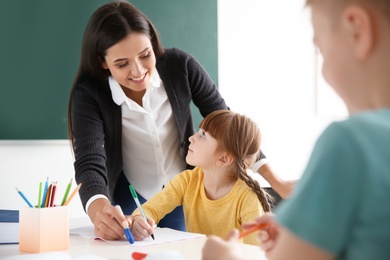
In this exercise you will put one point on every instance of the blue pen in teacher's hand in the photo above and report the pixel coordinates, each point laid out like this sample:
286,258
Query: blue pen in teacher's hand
135,197
125,225
128,234
24,197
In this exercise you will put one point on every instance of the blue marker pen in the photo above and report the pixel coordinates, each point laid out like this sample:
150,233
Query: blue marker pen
125,225
128,234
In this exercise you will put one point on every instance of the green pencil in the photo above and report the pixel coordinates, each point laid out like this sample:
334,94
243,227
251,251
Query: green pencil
66,192
39,195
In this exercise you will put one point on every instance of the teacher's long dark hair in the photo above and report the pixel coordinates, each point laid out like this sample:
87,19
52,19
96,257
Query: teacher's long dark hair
107,26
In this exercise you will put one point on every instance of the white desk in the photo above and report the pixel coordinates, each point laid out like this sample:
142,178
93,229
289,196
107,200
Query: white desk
191,249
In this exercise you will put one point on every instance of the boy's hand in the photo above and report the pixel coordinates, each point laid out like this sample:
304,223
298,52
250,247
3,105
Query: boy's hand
217,248
268,235
142,229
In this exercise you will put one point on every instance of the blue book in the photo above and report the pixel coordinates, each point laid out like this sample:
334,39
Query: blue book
9,226
9,215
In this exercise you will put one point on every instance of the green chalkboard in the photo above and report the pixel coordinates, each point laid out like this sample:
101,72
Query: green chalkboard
40,46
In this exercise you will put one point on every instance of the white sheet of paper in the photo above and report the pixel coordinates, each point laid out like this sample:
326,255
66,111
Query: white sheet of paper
161,235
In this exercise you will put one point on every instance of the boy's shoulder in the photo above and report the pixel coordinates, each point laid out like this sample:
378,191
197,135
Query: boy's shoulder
361,124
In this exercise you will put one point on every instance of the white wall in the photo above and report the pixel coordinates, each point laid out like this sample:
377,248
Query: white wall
267,70
23,164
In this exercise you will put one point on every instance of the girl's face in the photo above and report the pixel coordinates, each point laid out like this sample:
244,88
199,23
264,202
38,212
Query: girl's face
202,150
131,62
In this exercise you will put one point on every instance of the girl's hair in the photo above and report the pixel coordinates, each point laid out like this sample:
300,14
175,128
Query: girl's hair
239,136
107,26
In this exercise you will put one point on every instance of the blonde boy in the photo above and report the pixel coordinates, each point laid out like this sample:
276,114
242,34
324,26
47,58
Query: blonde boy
339,209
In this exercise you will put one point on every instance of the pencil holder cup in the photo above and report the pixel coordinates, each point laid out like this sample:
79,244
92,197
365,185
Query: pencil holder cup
43,229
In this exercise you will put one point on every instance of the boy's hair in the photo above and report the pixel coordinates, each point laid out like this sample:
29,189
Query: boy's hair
383,5
239,136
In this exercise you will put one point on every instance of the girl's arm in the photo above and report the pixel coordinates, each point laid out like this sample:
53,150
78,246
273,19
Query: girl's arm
158,206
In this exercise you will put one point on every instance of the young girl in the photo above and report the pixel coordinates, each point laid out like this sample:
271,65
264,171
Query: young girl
218,194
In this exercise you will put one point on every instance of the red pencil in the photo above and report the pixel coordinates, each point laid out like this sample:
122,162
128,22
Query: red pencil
53,193
253,229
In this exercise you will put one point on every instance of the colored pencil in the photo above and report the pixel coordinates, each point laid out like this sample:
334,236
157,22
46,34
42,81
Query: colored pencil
48,193
45,192
24,197
66,192
39,195
53,193
253,229
72,194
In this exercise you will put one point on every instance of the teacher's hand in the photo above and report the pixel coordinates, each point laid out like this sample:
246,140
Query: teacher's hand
108,220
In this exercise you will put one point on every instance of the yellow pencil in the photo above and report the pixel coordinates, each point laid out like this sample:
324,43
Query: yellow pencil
48,195
72,194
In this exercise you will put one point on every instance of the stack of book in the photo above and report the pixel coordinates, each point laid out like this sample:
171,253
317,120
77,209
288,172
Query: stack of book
9,226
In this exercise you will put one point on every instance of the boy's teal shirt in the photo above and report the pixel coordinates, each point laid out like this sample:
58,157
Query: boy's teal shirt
341,202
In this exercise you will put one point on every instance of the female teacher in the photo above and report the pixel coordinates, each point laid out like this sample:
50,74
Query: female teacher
129,116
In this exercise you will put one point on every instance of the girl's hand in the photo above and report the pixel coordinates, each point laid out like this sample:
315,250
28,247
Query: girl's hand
142,229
